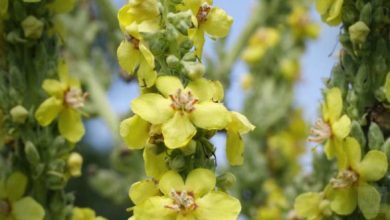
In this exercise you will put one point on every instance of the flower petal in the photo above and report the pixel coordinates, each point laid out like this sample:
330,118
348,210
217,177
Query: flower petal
344,201
197,36
178,131
307,204
368,200
334,104
200,181
54,87
70,125
143,190
210,116
373,167
135,132
218,23
194,5
152,107
155,208
16,186
48,111
234,148
240,123
352,152
171,180
146,75
168,85
202,89
27,208
218,206
342,127
128,57
155,165
148,56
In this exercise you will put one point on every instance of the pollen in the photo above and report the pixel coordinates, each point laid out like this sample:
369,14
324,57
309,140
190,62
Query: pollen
183,101
344,179
75,98
320,132
203,12
183,201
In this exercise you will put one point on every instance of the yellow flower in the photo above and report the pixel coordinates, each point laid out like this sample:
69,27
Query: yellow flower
12,203
301,24
135,57
138,11
75,163
85,214
66,99
350,189
269,213
192,199
333,127
330,10
238,126
259,43
142,190
312,206
208,19
178,109
140,134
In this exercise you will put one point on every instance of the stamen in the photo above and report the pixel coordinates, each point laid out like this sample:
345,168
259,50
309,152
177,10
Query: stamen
183,101
320,132
75,98
344,179
203,12
133,40
183,201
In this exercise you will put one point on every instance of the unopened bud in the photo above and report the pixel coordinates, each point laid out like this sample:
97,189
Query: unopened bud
189,148
386,148
32,153
75,163
32,27
366,13
226,180
357,133
362,81
177,162
195,70
173,61
358,32
19,114
375,137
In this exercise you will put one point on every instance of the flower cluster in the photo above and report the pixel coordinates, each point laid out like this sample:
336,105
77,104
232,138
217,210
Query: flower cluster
178,110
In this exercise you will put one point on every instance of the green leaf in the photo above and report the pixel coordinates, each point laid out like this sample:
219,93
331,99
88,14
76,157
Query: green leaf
375,137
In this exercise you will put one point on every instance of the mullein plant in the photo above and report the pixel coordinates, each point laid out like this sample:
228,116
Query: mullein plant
353,127
40,113
178,111
272,53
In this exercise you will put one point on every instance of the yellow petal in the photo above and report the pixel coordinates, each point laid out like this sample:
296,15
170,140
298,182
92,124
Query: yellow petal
342,127
197,36
200,188
148,56
210,116
368,200
218,23
168,85
155,163
194,5
153,108
135,132
143,9
146,75
234,148
27,208
128,56
217,206
202,89
155,208
334,11
16,186
178,131
240,123
344,201
70,125
373,167
54,87
143,190
218,92
307,204
353,152
323,6
48,111
334,103
124,17
171,181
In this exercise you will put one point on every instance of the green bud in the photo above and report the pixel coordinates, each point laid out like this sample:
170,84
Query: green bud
189,149
366,13
350,15
357,133
362,79
32,153
189,57
345,41
194,70
172,33
379,15
32,27
226,180
173,61
181,21
19,114
386,148
358,32
74,163
177,162
338,78
186,45
375,137
387,87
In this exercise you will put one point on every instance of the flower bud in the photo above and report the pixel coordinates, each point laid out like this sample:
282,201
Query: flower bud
357,133
181,21
350,15
186,45
173,61
189,148
226,180
177,162
387,87
386,148
375,137
366,13
32,153
358,32
19,114
195,70
75,163
362,79
32,27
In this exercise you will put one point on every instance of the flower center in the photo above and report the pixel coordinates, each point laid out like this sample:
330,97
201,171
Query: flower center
183,101
203,12
5,208
133,41
320,132
75,98
344,179
183,201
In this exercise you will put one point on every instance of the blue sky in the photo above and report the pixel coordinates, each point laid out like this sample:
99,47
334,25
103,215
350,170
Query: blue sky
316,65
